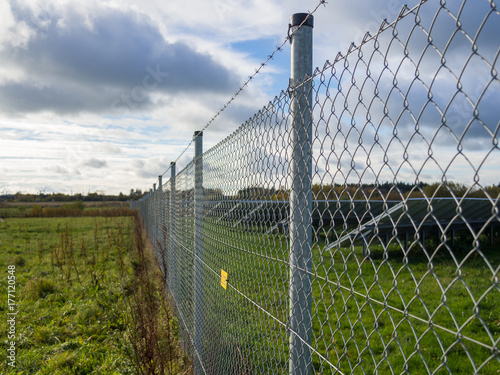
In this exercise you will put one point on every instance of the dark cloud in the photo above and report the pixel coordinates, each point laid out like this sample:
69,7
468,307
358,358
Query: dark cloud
95,163
117,61
57,169
63,97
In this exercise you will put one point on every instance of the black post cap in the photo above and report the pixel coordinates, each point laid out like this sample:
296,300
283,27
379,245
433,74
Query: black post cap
297,19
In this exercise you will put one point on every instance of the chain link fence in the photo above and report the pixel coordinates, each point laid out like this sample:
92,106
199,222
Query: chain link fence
352,225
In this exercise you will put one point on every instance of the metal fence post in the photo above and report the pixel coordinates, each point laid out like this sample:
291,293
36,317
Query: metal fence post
198,251
300,289
148,223
171,215
161,221
152,236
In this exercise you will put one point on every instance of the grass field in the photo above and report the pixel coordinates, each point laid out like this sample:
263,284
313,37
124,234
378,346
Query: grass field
63,209
390,312
433,311
89,299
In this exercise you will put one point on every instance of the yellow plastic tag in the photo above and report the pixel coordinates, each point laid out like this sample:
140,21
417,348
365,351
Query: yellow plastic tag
223,279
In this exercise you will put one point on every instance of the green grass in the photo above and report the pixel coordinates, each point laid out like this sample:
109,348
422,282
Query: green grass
79,286
69,294
378,314
376,310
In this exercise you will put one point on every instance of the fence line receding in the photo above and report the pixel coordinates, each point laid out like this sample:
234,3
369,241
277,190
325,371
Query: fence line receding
352,225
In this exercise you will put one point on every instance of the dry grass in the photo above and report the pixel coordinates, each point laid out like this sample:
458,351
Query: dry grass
153,333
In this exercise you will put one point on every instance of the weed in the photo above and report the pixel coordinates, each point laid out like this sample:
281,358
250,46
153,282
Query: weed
41,287
19,261
152,335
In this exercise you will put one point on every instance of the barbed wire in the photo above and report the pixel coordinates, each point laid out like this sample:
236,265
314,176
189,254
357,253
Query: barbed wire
250,78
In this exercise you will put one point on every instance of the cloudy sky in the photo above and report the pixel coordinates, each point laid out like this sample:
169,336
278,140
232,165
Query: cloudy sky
102,95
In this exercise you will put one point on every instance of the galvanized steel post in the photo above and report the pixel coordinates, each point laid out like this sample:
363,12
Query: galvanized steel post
198,251
171,245
152,235
300,289
150,212
161,222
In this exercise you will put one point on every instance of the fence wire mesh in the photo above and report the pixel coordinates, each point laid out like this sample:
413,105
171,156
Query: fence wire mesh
398,260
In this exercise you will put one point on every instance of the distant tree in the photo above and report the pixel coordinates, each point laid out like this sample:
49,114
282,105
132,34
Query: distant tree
135,194
449,189
93,197
122,197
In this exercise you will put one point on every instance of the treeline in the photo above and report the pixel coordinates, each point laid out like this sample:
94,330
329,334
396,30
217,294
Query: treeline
383,191
60,197
402,190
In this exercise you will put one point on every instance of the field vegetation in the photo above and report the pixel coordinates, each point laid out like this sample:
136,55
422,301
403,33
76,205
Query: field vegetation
89,296
64,209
